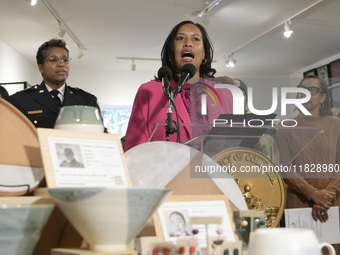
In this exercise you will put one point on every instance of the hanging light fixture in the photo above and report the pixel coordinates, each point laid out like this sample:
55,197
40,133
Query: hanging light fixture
230,61
133,65
288,29
62,30
203,13
205,20
80,52
207,7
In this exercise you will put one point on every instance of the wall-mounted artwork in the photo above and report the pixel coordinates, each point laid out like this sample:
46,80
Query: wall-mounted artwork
335,71
309,72
323,73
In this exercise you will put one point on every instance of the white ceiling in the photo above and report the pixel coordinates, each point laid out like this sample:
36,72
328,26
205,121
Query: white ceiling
137,29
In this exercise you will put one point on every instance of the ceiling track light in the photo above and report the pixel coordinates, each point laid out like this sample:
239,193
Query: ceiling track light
32,2
205,19
62,25
230,61
80,52
276,26
288,29
62,30
208,6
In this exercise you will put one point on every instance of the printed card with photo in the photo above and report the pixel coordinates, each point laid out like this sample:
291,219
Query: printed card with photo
176,217
79,159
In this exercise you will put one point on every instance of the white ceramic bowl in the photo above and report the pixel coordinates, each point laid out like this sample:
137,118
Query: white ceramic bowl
79,118
286,241
20,227
108,218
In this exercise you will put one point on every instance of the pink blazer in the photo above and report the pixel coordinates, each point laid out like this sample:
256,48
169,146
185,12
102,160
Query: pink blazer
149,109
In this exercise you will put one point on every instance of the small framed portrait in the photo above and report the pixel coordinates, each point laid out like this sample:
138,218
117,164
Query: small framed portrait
177,223
69,155
323,73
335,72
309,72
197,216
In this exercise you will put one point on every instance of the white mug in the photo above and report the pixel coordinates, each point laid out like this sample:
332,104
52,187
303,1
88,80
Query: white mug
286,241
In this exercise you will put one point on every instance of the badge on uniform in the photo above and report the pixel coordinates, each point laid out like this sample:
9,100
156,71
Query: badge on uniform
35,112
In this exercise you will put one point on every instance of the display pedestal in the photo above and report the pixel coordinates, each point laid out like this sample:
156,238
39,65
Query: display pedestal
89,252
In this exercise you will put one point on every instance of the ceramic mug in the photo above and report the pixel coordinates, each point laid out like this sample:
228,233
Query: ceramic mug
80,118
286,241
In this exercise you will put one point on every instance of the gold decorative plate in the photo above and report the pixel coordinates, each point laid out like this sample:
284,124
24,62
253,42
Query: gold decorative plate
261,188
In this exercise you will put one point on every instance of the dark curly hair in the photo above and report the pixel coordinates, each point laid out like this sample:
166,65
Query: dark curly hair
4,93
168,56
46,47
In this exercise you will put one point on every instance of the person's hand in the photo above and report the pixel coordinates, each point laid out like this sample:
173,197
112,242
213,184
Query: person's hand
319,213
323,198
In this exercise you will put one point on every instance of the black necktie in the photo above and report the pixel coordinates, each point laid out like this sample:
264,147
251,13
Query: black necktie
55,93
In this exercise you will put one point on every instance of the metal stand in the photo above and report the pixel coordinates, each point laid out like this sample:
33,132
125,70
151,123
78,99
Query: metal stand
169,128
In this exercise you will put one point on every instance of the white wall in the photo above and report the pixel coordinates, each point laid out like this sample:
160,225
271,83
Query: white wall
299,73
15,68
111,87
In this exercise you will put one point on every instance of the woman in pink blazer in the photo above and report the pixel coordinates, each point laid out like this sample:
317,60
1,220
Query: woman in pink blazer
188,42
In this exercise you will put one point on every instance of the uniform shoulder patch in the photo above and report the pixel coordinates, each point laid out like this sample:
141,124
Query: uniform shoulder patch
74,88
77,89
31,88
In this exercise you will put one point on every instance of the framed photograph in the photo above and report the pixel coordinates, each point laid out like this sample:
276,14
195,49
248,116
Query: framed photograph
82,159
335,71
309,72
195,215
13,87
323,73
334,92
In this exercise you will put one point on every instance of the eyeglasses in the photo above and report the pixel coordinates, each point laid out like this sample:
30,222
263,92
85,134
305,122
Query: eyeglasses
313,90
54,60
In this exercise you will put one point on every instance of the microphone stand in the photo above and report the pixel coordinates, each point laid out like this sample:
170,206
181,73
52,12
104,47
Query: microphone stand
169,128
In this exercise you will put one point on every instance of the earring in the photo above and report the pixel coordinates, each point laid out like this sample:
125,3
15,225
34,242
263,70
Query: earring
322,105
204,61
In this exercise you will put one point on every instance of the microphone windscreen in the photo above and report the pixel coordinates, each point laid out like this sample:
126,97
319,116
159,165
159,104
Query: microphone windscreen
189,68
164,71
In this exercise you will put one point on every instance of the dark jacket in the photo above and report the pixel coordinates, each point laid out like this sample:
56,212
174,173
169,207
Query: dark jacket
37,104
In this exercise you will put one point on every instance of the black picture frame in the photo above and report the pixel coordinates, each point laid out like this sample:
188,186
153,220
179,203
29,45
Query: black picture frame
13,87
323,73
334,92
334,68
309,72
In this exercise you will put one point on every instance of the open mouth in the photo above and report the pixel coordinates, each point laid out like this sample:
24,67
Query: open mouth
188,55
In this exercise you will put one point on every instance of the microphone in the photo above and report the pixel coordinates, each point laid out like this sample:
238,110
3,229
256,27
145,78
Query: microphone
165,74
188,71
